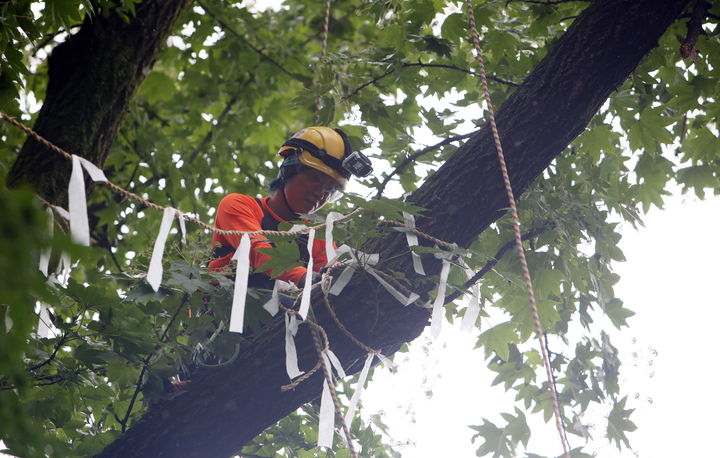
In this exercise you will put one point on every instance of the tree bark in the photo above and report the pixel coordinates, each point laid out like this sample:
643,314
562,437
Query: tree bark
226,407
92,78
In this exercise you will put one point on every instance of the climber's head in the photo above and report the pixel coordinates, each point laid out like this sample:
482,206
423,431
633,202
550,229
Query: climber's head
317,163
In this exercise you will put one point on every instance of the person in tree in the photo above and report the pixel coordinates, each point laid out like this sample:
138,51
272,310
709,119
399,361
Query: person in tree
317,163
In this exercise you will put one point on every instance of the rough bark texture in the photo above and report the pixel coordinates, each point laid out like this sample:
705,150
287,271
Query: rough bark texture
92,78
225,408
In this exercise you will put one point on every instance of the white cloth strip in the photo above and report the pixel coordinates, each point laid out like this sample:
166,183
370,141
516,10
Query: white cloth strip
307,288
273,305
329,246
473,308
366,261
438,305
386,361
155,270
393,292
8,320
45,253
77,205
64,268
326,426
358,390
44,322
342,280
95,173
64,213
336,364
181,220
291,360
77,200
412,241
242,271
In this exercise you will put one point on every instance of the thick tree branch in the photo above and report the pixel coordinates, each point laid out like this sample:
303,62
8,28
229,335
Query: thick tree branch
226,407
82,108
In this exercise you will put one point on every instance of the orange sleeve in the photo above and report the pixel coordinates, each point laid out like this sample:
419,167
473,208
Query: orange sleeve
319,254
238,212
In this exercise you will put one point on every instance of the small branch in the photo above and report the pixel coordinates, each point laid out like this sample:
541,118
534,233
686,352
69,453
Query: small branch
58,345
146,361
230,103
48,38
547,2
408,160
302,78
530,234
424,65
152,114
694,30
250,176
48,380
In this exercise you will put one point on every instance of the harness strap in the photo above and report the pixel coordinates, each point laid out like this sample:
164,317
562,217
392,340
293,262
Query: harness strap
268,223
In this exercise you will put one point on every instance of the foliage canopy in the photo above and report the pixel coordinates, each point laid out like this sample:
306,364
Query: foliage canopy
232,83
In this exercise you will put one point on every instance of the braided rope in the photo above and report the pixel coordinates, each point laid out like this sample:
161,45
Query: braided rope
11,120
131,195
316,330
326,28
331,311
516,229
437,241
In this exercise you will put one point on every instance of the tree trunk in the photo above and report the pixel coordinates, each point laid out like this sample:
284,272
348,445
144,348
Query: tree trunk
92,78
226,407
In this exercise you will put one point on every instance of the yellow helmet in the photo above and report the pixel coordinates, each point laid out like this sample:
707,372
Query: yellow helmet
327,150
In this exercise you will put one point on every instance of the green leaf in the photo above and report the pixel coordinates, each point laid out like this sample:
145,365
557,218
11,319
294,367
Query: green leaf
283,256
497,339
619,423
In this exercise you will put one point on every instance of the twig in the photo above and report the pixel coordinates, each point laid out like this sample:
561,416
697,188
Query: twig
694,30
423,65
233,100
146,361
302,78
532,233
58,345
152,114
408,160
547,2
48,38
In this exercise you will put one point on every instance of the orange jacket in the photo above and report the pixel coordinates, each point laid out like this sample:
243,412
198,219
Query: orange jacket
242,213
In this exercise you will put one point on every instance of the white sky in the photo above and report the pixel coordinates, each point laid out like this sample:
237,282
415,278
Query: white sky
668,280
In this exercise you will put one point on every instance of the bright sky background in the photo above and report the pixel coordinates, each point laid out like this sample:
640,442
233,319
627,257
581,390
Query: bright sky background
668,280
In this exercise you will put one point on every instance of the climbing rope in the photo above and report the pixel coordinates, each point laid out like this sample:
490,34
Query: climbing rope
326,28
516,229
316,330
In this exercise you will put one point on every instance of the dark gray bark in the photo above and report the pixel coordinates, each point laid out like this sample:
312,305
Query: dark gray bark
92,78
226,407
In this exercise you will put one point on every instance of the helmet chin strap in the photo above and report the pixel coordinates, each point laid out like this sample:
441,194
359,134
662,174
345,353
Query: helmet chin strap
286,203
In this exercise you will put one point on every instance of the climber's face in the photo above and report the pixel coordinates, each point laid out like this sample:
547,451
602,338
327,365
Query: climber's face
309,190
